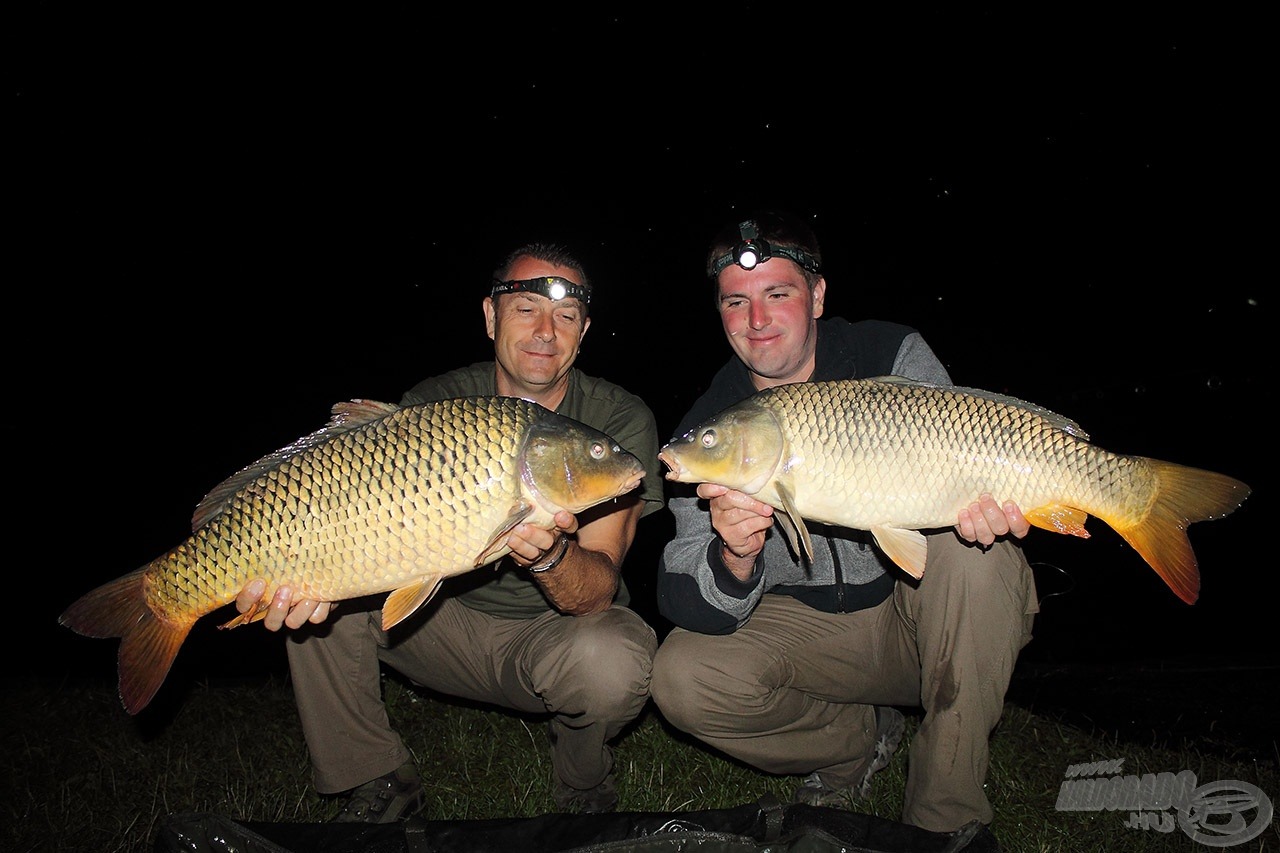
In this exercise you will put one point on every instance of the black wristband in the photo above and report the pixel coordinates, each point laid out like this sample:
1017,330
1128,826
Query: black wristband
554,561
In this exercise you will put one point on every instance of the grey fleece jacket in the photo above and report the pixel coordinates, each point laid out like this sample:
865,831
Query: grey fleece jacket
696,591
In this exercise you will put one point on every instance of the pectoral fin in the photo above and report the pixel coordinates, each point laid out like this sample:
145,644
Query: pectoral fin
498,540
1059,519
906,547
401,603
792,523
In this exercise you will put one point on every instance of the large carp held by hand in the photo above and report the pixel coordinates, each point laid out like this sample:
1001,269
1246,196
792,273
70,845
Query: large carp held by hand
382,498
896,457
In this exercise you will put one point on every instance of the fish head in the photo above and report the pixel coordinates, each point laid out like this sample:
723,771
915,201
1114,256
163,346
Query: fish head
740,447
568,465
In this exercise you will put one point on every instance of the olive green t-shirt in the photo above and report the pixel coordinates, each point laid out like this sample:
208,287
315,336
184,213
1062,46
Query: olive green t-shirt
503,588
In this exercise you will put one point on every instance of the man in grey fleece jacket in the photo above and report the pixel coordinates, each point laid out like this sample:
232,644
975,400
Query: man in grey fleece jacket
800,668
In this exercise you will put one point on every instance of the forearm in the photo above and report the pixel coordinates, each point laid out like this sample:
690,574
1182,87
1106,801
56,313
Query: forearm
583,582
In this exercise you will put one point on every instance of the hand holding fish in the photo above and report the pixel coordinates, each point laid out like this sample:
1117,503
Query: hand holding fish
741,522
282,610
985,521
531,545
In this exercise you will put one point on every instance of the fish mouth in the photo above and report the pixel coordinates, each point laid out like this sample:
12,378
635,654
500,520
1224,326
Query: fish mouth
669,459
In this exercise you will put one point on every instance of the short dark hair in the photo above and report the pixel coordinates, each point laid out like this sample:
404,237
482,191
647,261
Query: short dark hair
551,253
776,227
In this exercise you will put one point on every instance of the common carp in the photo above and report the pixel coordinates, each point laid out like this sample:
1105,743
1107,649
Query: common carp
381,498
895,457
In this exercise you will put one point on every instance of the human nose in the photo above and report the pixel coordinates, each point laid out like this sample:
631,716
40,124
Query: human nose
545,330
757,316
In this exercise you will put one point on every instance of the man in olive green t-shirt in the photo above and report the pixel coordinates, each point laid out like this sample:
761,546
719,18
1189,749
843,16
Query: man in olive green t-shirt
545,631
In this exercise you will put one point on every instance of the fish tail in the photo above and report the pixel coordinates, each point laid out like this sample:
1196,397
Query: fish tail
148,644
1184,495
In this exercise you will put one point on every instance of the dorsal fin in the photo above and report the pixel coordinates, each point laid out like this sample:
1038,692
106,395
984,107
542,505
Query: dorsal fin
1056,420
346,416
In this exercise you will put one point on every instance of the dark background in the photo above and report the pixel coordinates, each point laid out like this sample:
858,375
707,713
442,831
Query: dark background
226,219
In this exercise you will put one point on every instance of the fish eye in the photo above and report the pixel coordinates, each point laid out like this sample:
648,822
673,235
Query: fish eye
597,450
709,438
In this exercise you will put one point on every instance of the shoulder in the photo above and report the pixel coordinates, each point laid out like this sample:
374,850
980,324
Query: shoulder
870,332
600,396
473,380
624,417
858,350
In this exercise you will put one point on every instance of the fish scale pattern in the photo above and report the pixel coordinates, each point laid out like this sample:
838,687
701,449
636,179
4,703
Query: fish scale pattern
865,452
420,491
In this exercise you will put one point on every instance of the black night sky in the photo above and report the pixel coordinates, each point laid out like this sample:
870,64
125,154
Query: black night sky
226,221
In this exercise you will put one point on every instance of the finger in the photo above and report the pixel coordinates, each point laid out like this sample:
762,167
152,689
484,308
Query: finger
301,613
706,491
566,521
279,609
250,596
1018,524
981,529
995,519
964,523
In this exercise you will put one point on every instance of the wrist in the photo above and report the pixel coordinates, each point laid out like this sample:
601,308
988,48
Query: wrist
557,551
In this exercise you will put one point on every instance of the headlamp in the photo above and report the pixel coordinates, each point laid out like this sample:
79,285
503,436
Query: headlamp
554,287
752,251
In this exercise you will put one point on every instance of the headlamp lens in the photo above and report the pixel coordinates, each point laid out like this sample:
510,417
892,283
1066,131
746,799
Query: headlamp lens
749,255
554,287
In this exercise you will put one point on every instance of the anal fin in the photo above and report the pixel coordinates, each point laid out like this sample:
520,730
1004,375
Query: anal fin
906,547
401,603
1058,518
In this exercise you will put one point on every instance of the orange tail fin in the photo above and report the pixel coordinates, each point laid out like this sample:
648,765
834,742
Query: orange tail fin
148,644
1183,496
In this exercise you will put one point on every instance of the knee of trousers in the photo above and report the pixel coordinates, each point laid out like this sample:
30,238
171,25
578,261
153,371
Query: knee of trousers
611,660
683,682
1000,572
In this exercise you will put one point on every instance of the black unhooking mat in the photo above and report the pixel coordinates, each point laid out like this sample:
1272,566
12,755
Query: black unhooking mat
765,826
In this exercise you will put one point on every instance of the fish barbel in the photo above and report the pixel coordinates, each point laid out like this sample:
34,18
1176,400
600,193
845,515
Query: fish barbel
894,457
381,498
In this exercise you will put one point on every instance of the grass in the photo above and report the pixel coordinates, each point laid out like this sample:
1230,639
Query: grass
81,775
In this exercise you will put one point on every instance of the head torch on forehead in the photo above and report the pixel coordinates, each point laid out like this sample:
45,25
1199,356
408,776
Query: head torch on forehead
554,287
752,250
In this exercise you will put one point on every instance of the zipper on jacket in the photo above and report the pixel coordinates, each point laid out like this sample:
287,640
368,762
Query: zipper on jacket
839,575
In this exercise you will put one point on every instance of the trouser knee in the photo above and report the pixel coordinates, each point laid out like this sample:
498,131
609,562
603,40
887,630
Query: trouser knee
611,664
674,684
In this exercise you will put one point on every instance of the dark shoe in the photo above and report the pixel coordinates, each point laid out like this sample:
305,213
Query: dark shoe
601,799
387,799
890,725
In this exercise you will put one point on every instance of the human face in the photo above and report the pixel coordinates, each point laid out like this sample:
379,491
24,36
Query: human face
535,340
770,315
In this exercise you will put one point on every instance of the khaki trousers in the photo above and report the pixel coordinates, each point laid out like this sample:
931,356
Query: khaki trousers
590,673
794,689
